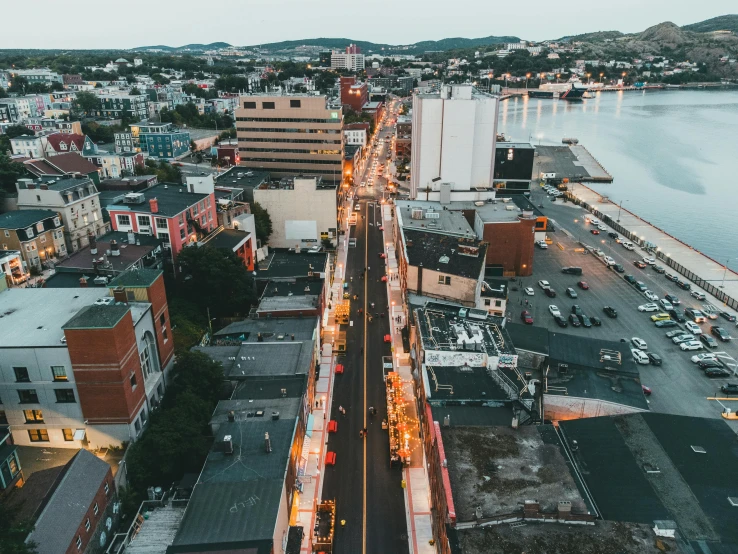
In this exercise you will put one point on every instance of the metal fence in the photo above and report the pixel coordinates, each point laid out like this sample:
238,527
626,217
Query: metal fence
708,287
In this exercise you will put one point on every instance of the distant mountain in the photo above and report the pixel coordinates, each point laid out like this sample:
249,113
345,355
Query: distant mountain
666,34
593,37
190,47
721,23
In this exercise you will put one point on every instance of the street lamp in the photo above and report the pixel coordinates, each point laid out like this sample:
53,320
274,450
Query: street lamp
620,208
557,77
527,76
601,74
725,271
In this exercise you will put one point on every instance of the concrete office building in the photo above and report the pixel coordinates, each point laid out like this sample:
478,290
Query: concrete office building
291,135
454,134
303,211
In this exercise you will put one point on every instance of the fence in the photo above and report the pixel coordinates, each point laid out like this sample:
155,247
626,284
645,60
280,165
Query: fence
715,291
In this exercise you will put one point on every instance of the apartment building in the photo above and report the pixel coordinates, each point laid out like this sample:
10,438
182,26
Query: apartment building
83,367
76,199
351,59
159,140
37,234
291,135
135,107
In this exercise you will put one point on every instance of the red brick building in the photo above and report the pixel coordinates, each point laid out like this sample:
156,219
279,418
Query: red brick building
353,94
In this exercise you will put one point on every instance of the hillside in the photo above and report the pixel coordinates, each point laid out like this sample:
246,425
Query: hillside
593,37
721,23
200,47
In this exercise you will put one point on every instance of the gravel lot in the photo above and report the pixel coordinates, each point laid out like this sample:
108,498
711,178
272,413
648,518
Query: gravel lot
679,387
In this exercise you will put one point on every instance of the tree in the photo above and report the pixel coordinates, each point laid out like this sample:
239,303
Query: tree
262,222
135,92
165,172
17,130
196,373
215,279
10,172
19,84
3,93
85,103
13,534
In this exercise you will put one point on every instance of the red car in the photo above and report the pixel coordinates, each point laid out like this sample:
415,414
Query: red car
382,255
595,231
639,264
526,317
583,285
646,390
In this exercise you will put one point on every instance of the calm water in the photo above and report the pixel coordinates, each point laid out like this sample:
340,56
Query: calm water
673,154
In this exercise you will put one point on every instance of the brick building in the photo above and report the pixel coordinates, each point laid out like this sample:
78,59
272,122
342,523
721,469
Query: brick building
353,94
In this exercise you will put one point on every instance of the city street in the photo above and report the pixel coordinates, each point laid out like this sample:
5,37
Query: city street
368,493
679,387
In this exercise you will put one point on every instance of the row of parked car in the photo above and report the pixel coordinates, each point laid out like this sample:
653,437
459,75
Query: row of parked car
577,318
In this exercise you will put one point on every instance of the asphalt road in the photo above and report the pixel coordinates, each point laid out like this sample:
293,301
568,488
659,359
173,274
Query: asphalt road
367,491
679,387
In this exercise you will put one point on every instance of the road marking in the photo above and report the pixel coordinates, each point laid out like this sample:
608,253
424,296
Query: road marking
366,305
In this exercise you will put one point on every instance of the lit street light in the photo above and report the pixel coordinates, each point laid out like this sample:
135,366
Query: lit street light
620,208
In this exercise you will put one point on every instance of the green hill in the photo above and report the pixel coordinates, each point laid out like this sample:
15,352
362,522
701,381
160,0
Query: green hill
721,23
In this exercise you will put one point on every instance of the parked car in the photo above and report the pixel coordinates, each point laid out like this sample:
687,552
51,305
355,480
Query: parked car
585,321
630,279
679,339
542,244
613,235
708,341
729,388
650,261
610,311
560,321
650,307
691,345
596,321
720,333
678,316
574,320
695,315
638,263
665,304
654,358
659,269
583,285
550,292
618,267
572,270
526,317
666,323
651,295
641,286
576,310
683,285
639,343
660,317
670,276
675,333
639,356
709,364
543,284
571,293
718,372
703,357
554,310
529,291
608,261
646,390
727,315
693,328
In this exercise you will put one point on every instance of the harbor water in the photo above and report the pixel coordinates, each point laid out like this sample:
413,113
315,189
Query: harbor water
673,155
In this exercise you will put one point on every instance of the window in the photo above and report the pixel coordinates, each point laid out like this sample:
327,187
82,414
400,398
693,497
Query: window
162,319
133,382
42,238
124,220
487,302
295,103
107,490
3,417
182,234
249,105
28,396
38,198
33,416
79,542
87,524
38,435
144,416
21,375
64,396
144,221
59,372
161,223
68,435
267,105
96,508
7,233
137,426
498,303
444,280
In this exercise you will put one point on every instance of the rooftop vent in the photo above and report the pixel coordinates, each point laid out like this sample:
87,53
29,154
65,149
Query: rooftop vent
228,444
733,500
267,443
416,213
699,450
444,259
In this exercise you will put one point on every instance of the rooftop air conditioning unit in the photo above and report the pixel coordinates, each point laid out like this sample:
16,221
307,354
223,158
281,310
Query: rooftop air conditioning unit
416,213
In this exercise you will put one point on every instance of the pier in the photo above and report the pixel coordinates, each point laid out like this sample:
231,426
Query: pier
573,162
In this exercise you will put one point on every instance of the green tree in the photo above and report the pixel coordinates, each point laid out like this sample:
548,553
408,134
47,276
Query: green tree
17,130
10,172
188,323
165,172
18,84
215,279
262,222
135,92
3,93
13,534
85,103
197,374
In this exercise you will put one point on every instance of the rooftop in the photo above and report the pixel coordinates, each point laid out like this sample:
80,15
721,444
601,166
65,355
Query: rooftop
242,178
528,337
285,357
97,317
57,525
648,466
227,239
432,217
35,317
136,278
445,254
129,253
281,264
172,199
21,219
279,329
256,388
462,384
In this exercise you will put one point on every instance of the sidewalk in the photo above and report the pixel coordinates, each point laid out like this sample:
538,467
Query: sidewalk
417,490
312,459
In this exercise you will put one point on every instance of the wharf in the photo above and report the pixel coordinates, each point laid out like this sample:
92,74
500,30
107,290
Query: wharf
710,275
573,162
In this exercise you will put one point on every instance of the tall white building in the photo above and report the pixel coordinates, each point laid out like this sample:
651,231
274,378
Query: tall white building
351,62
453,144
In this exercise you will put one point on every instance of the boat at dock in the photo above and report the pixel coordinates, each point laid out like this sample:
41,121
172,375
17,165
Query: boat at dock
560,91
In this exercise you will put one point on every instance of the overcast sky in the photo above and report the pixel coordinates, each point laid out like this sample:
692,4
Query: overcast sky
96,24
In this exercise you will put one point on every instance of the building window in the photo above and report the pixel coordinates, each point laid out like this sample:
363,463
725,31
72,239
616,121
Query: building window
144,416
96,508
28,396
38,435
3,417
133,382
68,435
498,303
161,223
64,396
87,524
162,319
42,238
59,372
267,105
487,302
144,221
124,220
444,280
182,234
107,490
21,375
510,154
79,542
137,426
295,103
249,105
33,416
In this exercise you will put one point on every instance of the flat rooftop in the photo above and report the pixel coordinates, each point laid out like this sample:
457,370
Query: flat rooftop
172,199
435,218
282,264
453,255
499,468
270,329
129,253
500,210
35,317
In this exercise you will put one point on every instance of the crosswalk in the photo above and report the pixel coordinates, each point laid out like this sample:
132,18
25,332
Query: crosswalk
730,362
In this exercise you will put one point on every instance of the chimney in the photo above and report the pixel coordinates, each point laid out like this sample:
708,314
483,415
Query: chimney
228,444
93,243
83,282
131,238
154,204
231,415
120,296
267,443
114,250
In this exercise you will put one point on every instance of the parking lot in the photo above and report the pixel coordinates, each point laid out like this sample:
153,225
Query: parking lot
678,386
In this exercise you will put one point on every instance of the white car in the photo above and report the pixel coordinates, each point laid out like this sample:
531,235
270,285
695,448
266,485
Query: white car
649,261
601,227
554,310
639,343
529,291
704,357
665,304
693,328
698,294
594,222
679,339
640,356
651,295
542,244
608,260
691,345
650,307
544,284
